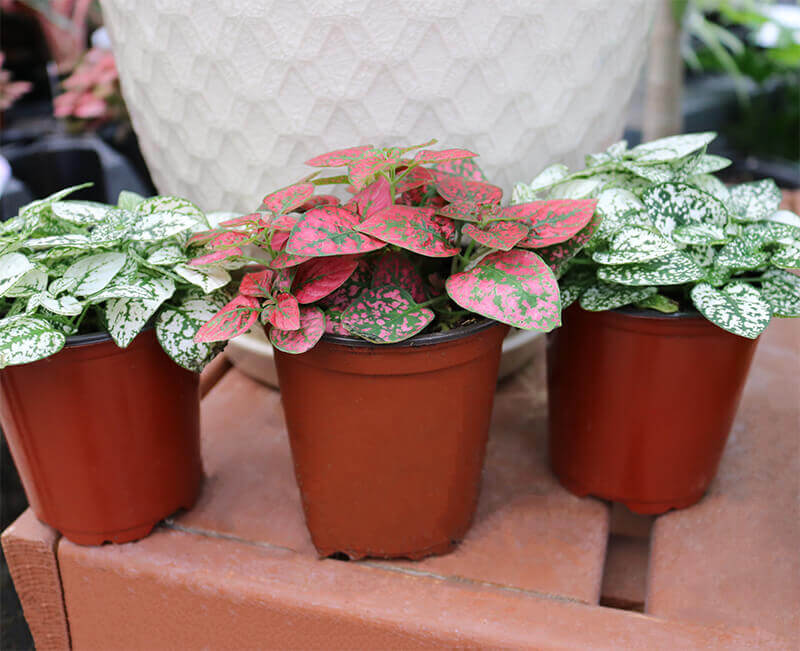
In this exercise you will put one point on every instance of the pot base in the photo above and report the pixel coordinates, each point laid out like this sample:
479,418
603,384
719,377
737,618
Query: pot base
356,555
642,508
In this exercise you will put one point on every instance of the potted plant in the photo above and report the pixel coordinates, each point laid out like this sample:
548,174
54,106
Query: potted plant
98,367
670,294
387,312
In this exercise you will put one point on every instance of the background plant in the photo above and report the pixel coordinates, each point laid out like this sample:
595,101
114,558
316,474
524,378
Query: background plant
72,267
672,236
422,245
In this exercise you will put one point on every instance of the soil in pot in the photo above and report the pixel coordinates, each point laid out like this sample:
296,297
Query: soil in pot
641,404
106,440
388,441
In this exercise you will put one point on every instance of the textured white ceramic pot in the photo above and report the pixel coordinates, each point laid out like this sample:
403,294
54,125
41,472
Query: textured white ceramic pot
229,97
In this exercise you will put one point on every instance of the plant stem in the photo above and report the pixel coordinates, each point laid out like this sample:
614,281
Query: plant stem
434,301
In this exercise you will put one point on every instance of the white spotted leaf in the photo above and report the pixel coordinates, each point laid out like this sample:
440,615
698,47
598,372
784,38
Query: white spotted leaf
609,296
125,317
634,244
27,339
673,269
93,272
737,308
781,289
177,325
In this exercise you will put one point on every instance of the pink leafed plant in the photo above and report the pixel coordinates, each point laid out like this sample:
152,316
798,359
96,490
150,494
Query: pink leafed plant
91,94
423,245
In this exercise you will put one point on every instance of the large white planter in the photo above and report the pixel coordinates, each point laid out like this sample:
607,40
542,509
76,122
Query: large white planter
229,97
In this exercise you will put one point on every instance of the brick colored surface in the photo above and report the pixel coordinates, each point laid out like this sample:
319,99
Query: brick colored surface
30,550
177,590
733,558
528,533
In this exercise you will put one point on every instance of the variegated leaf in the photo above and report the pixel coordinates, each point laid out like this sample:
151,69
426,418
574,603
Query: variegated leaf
206,278
167,256
737,308
787,257
613,204
557,255
125,317
785,217
63,305
454,188
514,287
158,216
327,231
578,188
699,234
660,303
74,240
128,200
574,282
609,296
709,163
31,282
257,283
465,211
547,178
285,260
13,266
374,198
286,313
319,277
317,201
352,287
416,177
138,286
416,229
670,205
79,212
27,339
764,233
634,244
215,257
338,158
673,269
288,198
93,272
429,156
465,168
670,148
385,315
366,166
552,222
234,319
711,184
177,325
393,269
312,327
497,235
738,254
781,289
755,200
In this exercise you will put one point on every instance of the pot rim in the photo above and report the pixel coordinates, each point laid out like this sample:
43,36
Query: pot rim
96,337
429,339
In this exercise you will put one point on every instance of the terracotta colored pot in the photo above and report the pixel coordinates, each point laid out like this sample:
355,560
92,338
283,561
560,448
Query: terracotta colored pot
388,440
641,404
106,440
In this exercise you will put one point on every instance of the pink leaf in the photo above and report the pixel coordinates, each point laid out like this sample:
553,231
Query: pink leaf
338,158
279,239
231,321
465,211
466,168
454,188
286,313
284,222
417,177
329,230
429,156
352,287
367,166
415,229
396,270
557,254
257,283
333,323
254,220
227,239
385,315
374,198
497,235
282,282
312,327
288,198
204,236
284,260
319,277
551,222
215,256
319,200
514,287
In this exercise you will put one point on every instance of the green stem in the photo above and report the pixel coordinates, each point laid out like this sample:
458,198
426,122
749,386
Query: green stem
156,268
434,301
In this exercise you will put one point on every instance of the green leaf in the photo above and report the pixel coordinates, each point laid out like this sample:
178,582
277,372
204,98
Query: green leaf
26,339
125,317
208,279
79,212
755,200
670,148
13,266
609,296
574,283
177,325
659,303
709,163
614,204
63,305
738,254
385,315
781,289
787,257
31,282
699,234
160,225
167,256
93,272
128,200
737,308
670,205
634,244
158,210
74,240
767,232
673,269
712,185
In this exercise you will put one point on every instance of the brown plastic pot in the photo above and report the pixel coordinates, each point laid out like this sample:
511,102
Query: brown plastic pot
106,440
641,404
388,440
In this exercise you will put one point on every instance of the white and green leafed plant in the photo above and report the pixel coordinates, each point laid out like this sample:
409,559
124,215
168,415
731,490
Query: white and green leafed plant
673,238
79,267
